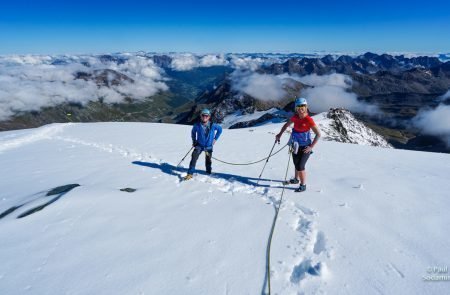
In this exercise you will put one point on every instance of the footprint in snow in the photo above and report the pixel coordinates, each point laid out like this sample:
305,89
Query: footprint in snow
320,244
306,211
305,268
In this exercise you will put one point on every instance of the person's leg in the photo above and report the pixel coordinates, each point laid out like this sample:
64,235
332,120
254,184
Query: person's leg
208,161
296,159
302,176
301,167
301,171
195,154
298,174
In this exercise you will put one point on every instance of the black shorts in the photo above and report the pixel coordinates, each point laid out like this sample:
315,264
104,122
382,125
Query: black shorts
300,159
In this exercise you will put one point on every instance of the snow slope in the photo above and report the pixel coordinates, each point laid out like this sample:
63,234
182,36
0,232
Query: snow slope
373,220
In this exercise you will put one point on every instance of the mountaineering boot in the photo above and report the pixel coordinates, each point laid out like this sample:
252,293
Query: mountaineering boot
187,177
291,181
301,188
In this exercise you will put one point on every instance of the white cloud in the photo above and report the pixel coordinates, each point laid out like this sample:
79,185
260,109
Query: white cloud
261,86
189,61
445,96
213,60
246,62
435,122
333,91
184,62
28,83
322,98
338,80
328,91
25,59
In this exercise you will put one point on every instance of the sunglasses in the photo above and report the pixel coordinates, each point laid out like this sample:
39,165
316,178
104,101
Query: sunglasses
205,115
301,106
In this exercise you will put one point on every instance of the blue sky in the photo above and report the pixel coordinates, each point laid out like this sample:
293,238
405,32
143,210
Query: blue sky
224,26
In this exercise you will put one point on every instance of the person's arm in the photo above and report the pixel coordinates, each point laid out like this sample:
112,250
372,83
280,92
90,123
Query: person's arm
316,139
218,133
285,126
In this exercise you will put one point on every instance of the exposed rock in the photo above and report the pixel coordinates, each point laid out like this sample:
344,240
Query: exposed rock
368,63
106,58
224,101
128,190
105,77
341,126
163,61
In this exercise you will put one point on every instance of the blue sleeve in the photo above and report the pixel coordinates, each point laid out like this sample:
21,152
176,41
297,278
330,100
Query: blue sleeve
218,132
193,132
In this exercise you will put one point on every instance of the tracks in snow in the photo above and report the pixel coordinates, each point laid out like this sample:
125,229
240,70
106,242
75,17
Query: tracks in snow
45,132
309,249
306,246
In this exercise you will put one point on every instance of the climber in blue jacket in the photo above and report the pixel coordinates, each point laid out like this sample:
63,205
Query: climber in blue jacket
204,135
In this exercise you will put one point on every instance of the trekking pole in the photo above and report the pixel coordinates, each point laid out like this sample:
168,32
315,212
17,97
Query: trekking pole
185,156
259,178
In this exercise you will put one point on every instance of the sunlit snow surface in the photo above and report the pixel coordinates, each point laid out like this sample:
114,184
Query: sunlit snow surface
373,220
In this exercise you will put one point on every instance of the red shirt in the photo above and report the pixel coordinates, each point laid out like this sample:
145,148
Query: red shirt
302,125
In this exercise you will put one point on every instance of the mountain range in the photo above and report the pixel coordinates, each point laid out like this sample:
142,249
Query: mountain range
398,85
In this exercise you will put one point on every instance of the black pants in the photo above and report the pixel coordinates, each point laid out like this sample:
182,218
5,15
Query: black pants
195,154
300,159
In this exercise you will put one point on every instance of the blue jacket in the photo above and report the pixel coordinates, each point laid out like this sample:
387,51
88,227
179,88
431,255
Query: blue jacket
203,140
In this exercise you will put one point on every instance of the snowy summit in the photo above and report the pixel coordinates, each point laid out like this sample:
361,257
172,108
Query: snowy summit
99,208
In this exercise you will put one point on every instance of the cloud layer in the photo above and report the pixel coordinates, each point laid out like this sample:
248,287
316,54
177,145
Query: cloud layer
445,97
333,91
28,83
435,122
31,82
189,61
327,91
261,86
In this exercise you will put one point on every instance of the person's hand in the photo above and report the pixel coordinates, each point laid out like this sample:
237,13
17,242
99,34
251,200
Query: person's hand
307,150
277,137
214,141
194,143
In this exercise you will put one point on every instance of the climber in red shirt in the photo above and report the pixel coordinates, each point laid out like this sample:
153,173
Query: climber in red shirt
300,141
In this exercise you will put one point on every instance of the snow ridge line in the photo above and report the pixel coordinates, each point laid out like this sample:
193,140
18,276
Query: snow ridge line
41,133
110,148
